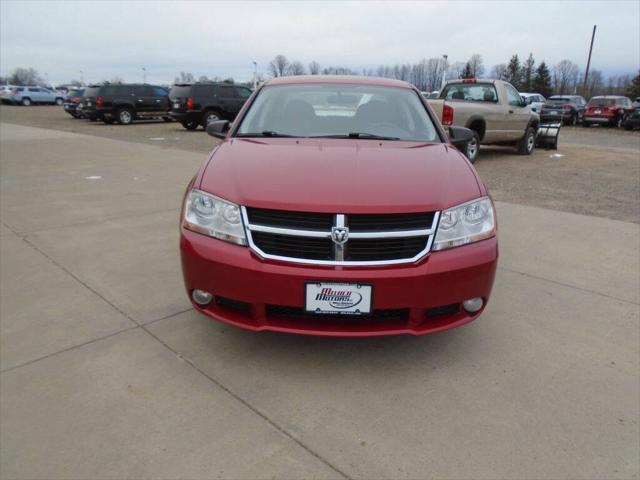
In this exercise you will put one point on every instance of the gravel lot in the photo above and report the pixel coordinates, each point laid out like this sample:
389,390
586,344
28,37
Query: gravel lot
596,171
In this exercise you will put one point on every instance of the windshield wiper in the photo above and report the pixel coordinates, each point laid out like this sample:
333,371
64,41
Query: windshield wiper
265,133
363,135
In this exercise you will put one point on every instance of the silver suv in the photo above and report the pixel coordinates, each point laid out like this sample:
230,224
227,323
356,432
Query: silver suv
31,95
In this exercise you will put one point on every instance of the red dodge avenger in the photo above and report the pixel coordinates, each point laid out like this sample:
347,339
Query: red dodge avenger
338,206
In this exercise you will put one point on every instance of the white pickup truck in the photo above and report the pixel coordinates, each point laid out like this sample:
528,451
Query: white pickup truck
492,109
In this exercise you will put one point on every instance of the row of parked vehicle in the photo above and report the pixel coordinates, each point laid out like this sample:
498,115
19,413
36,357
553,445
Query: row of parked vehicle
192,105
16,95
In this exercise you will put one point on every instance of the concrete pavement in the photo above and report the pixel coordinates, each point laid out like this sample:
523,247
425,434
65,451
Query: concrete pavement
108,373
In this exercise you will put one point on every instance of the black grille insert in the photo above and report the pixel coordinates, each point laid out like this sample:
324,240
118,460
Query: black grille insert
287,219
389,222
293,246
283,311
363,249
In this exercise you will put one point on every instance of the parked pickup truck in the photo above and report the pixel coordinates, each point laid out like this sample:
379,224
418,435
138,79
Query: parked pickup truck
492,109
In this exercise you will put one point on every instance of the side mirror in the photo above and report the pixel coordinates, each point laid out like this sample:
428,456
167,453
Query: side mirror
459,137
523,103
218,128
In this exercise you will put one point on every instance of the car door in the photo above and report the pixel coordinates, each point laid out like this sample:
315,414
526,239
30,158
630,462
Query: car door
34,94
145,101
160,99
518,114
242,94
228,100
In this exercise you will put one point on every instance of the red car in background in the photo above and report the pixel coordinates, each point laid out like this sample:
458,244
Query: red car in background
72,101
338,206
607,110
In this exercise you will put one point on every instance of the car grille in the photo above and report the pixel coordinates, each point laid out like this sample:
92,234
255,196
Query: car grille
370,239
282,311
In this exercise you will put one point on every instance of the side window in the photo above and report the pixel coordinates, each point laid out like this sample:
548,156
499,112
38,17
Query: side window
226,91
243,93
32,89
159,92
512,96
204,90
143,91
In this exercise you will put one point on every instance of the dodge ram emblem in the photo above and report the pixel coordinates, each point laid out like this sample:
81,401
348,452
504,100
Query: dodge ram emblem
339,235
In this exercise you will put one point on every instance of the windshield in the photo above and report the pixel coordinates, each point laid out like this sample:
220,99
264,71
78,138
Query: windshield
559,100
470,92
338,110
91,91
602,101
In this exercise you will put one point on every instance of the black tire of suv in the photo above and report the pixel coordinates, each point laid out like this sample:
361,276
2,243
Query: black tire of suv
124,116
527,143
210,116
59,101
26,102
619,121
167,119
190,125
473,147
574,120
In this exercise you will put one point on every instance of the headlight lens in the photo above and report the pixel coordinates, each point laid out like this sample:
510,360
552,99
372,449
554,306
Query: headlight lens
213,216
466,223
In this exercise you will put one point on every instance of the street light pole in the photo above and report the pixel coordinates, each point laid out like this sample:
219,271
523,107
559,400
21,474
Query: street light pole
586,73
444,70
255,75
81,78
144,75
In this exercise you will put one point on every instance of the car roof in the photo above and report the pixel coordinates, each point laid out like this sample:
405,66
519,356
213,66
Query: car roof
608,96
525,94
344,79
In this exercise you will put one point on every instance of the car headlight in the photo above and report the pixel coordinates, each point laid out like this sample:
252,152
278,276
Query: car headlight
466,223
213,216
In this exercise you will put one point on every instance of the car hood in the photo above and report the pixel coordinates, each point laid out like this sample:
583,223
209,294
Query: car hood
336,175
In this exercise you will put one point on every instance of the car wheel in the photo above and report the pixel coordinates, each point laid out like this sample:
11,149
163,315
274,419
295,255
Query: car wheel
59,101
527,143
190,125
619,121
125,116
167,119
26,102
585,124
574,120
473,147
210,117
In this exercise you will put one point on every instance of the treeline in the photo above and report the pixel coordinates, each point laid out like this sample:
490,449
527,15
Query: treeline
527,76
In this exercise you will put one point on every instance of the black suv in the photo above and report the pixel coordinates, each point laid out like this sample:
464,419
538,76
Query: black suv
194,104
568,109
125,103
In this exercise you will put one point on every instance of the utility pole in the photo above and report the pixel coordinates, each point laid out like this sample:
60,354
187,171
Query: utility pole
586,73
144,75
81,78
255,75
444,70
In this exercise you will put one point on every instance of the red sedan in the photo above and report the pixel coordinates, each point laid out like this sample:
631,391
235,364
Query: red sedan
338,206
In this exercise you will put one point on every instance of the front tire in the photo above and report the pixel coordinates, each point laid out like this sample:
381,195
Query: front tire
190,125
59,101
26,102
527,143
473,147
619,121
574,120
125,116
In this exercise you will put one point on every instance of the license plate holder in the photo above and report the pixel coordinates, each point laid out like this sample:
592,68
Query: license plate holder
336,298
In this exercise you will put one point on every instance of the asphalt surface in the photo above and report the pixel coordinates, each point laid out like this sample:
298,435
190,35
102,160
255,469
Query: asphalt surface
596,171
107,372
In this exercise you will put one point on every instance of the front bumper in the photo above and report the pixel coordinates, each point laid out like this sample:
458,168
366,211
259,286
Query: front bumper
414,299
599,119
185,117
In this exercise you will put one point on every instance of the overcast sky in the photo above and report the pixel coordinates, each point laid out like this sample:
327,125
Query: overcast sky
112,38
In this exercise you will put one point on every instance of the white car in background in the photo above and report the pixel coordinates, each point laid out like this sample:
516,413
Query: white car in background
33,95
535,100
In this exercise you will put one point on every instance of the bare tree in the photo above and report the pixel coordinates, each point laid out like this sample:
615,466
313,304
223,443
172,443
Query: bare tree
455,70
117,80
25,76
278,66
476,65
185,77
296,68
203,78
433,73
314,68
499,71
565,76
595,84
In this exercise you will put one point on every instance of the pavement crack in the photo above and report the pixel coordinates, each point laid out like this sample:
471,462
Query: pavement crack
248,405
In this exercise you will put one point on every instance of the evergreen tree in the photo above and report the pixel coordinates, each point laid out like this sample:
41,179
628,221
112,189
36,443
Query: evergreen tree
528,71
514,72
467,73
634,87
542,81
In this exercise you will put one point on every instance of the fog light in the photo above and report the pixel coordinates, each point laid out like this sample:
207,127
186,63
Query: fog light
201,297
472,305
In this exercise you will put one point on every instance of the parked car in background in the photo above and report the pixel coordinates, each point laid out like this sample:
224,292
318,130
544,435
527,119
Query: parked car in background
195,104
125,103
636,102
492,109
535,100
34,95
338,206
633,120
5,93
568,109
71,102
433,94
607,110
